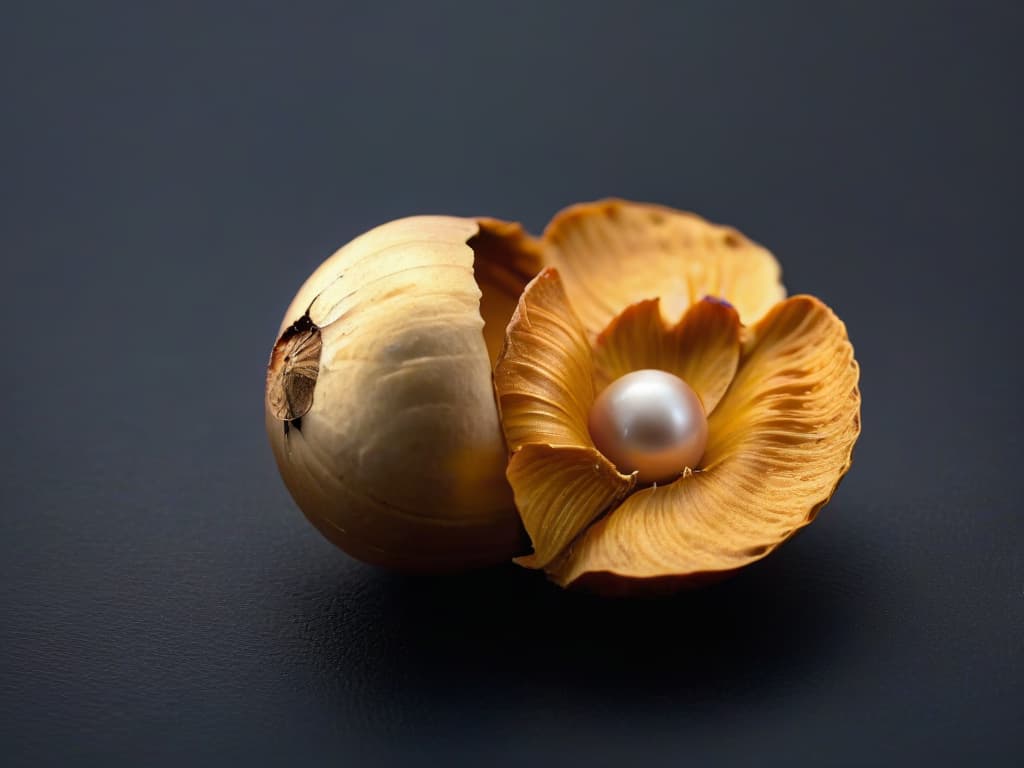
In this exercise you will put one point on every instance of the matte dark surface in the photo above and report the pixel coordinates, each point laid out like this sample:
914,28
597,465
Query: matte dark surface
170,173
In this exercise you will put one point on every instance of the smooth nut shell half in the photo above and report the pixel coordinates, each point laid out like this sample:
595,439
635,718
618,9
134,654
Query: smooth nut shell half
380,405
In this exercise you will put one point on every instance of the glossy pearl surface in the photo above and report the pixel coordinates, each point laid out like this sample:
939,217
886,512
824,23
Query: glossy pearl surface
651,422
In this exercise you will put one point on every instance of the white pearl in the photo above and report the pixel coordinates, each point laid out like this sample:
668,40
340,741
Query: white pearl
650,422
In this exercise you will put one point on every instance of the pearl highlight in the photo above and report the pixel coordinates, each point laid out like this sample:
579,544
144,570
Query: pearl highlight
650,422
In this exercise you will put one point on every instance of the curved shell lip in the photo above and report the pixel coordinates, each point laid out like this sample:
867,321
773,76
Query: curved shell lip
611,206
543,400
612,583
616,252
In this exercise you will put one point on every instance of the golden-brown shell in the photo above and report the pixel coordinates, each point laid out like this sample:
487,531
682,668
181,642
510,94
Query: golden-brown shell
632,287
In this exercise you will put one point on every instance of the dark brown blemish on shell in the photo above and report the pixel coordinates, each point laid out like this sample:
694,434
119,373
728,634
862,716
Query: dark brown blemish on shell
732,239
292,372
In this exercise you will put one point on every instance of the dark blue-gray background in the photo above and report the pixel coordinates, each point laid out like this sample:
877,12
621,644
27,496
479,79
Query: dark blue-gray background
170,174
